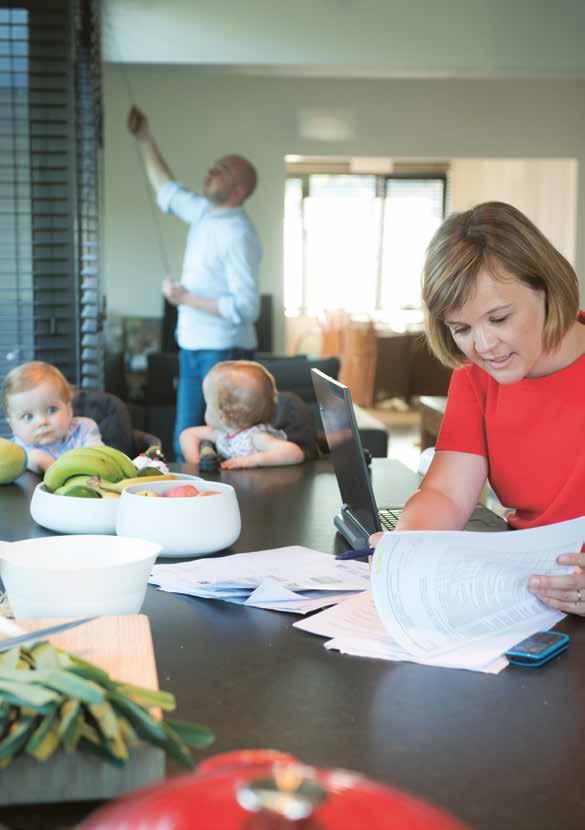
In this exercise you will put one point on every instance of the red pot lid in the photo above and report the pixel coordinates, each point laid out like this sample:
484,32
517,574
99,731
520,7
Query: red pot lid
267,790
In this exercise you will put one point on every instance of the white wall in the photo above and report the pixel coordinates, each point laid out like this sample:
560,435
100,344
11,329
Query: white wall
544,189
391,38
198,117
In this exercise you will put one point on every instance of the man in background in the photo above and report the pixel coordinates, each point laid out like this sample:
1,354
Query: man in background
218,296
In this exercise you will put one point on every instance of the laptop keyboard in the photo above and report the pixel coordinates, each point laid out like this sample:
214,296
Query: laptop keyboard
389,518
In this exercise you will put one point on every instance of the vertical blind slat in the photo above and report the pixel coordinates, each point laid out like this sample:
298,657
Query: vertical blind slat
50,134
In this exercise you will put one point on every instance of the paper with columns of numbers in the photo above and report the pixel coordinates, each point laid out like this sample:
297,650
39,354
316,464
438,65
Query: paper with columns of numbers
355,628
455,599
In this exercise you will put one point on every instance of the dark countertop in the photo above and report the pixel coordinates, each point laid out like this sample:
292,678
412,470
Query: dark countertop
501,751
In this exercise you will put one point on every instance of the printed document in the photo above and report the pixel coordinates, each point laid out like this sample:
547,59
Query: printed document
455,599
293,579
436,591
355,628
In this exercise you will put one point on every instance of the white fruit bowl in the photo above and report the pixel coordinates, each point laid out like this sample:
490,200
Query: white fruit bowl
71,576
182,526
71,514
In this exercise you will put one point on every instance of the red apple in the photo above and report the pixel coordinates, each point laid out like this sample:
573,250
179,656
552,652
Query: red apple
185,491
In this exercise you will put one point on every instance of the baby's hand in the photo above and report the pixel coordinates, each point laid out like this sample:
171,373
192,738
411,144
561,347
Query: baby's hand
39,461
375,538
239,462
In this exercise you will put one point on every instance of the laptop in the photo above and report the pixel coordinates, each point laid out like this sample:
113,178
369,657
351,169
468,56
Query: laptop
360,516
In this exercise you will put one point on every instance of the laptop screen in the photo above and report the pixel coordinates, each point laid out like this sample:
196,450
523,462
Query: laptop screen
347,455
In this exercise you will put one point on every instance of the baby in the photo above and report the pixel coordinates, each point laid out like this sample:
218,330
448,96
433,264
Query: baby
240,396
37,401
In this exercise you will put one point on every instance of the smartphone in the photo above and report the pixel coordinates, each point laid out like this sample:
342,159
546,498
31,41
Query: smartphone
538,649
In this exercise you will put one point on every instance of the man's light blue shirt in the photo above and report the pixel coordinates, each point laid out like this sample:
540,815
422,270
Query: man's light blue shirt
221,262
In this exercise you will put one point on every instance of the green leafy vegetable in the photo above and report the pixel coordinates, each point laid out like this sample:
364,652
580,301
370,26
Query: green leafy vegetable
51,699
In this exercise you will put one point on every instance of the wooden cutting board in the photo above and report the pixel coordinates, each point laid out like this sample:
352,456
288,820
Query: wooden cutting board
122,646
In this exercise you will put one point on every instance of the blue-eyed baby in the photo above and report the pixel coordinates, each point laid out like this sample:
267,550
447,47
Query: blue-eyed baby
37,401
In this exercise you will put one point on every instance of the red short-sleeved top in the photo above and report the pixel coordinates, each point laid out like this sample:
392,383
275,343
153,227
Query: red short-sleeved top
532,434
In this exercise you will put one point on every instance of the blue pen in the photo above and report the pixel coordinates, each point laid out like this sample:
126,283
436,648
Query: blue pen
360,553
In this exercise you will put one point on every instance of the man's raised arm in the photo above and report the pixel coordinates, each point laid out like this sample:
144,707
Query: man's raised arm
158,171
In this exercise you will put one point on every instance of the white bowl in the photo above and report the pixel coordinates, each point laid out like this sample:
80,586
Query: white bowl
71,514
71,576
183,526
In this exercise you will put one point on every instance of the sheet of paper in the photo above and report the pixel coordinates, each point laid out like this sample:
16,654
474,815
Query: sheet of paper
294,579
364,648
355,628
296,567
440,591
272,596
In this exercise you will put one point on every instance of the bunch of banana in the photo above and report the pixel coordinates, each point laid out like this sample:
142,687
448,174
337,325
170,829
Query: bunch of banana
67,473
50,698
115,488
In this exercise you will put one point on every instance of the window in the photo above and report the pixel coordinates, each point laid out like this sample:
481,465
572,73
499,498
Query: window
358,241
50,119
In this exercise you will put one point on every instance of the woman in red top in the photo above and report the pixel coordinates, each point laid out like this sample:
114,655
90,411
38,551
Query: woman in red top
502,309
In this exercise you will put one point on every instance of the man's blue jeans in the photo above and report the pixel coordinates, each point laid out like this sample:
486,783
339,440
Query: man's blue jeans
193,366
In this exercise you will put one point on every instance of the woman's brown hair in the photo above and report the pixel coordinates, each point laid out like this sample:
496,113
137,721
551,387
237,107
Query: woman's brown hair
497,237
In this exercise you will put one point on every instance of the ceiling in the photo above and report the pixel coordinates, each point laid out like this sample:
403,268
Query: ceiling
352,38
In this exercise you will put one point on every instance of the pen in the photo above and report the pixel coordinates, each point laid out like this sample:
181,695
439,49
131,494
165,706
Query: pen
360,553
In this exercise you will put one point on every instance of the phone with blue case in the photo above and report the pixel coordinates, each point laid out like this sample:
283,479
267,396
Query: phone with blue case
538,649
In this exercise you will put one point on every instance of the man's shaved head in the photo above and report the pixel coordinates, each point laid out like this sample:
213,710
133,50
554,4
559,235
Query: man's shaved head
230,181
245,172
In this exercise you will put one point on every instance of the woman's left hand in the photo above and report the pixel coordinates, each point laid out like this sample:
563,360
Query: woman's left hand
565,593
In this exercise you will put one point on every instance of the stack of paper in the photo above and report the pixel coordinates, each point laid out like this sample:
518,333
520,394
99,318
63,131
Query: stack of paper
356,628
294,579
451,599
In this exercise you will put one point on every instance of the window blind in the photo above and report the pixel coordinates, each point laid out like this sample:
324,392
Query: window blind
50,123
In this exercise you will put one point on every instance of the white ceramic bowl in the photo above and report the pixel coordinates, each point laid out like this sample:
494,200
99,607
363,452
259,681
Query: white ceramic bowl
70,514
70,576
183,526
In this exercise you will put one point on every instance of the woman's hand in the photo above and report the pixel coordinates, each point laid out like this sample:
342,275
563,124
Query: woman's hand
375,538
565,593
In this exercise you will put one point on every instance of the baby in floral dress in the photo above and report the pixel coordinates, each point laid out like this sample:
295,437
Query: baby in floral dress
240,397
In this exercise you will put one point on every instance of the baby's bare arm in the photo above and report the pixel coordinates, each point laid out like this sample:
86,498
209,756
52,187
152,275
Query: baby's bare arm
272,452
190,439
39,461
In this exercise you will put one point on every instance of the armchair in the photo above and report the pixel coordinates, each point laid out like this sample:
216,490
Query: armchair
112,417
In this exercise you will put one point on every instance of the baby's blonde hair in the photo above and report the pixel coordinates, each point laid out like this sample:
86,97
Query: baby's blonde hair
245,392
25,377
